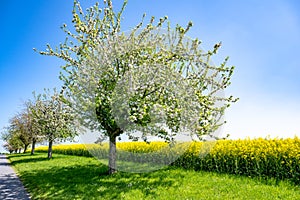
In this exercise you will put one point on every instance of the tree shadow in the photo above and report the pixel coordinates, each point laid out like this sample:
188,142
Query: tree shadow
12,188
4,164
17,155
28,158
91,181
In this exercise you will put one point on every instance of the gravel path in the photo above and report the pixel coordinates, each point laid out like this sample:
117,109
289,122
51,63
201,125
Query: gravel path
10,185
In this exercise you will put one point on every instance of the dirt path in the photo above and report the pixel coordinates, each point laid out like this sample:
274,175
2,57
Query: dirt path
10,185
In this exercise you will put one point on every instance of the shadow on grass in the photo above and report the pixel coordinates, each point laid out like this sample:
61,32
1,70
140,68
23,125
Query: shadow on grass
27,158
12,188
90,181
16,155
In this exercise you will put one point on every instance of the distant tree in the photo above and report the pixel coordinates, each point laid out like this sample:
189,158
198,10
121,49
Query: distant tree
33,126
12,139
23,128
55,119
20,125
118,82
8,148
17,131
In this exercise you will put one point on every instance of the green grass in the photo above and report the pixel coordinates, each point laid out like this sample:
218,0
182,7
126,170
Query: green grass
75,177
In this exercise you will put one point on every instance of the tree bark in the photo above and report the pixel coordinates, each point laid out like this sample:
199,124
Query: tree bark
112,155
25,148
33,146
50,149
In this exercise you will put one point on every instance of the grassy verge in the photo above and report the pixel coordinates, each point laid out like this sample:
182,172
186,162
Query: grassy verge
77,177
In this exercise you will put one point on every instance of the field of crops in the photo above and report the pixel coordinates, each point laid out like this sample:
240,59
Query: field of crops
276,158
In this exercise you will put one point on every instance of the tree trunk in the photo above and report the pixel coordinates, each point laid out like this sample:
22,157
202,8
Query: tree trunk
25,148
112,155
33,146
50,149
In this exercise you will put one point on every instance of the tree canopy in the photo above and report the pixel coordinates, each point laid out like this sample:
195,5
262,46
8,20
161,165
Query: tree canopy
18,134
152,79
55,119
44,118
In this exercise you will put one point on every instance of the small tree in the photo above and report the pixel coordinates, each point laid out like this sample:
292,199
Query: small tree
22,128
33,126
9,148
119,82
12,139
55,119
18,130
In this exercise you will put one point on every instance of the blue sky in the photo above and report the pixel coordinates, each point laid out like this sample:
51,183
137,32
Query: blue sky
262,39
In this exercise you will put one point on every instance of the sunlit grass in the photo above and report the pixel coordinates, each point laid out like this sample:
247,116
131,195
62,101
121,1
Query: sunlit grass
78,177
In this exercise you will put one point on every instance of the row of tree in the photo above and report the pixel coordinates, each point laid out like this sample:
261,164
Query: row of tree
45,118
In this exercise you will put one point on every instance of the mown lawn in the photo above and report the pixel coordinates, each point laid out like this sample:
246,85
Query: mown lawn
76,177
